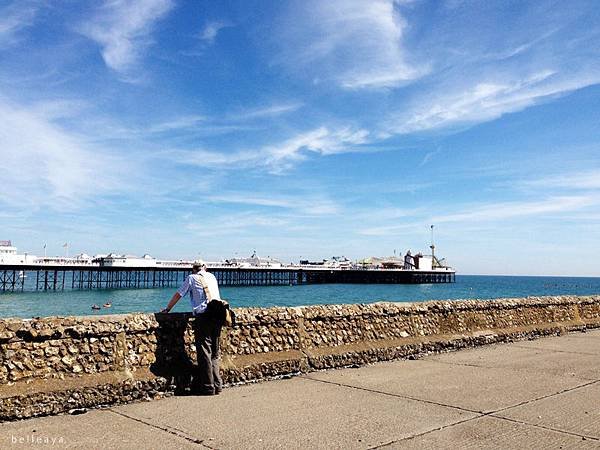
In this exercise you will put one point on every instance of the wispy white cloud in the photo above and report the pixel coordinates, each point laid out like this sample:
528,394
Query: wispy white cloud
489,213
104,129
583,180
263,112
46,165
485,100
250,119
388,221
480,74
211,30
243,222
308,204
428,157
54,109
322,140
277,157
509,210
391,230
522,48
208,158
355,43
123,28
14,17
252,199
463,79
179,123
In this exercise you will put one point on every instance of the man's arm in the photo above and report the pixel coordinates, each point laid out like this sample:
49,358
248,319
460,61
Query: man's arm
172,303
181,292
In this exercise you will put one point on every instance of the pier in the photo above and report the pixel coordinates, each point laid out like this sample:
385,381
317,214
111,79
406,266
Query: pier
14,278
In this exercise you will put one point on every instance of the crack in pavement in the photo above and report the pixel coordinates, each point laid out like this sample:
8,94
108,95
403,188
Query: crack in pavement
171,430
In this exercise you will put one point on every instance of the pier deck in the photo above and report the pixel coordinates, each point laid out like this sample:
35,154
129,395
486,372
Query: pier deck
528,394
61,277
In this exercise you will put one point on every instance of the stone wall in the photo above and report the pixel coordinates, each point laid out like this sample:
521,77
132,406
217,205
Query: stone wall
52,365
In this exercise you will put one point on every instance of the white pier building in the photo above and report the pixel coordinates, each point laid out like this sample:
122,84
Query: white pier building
9,255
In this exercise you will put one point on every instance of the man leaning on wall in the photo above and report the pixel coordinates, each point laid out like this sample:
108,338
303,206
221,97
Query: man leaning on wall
202,287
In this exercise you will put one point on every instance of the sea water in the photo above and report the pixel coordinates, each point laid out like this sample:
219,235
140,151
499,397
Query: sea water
74,302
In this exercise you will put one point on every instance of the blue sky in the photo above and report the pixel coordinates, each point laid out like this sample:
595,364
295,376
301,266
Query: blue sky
304,130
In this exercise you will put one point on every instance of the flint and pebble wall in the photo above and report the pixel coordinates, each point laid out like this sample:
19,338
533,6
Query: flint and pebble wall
54,365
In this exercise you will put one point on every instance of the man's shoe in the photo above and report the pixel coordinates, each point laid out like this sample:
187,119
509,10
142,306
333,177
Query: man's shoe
201,392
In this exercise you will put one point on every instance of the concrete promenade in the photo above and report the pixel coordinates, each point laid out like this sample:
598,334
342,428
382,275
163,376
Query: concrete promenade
529,394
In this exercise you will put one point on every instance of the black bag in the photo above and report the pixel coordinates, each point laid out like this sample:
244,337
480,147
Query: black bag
219,310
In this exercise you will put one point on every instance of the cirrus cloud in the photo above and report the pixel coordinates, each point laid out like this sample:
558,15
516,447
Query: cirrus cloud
122,29
356,44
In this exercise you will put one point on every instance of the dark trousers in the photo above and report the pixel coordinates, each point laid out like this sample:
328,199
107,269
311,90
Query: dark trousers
207,334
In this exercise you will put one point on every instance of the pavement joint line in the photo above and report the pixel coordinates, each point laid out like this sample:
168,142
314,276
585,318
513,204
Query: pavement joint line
516,369
479,415
493,414
554,350
463,364
589,332
171,430
484,413
407,438
406,397
558,430
588,335
543,397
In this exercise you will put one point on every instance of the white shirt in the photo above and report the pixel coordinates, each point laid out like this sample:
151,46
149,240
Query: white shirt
193,285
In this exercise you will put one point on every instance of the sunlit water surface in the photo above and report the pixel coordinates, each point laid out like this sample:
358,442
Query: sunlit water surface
39,304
